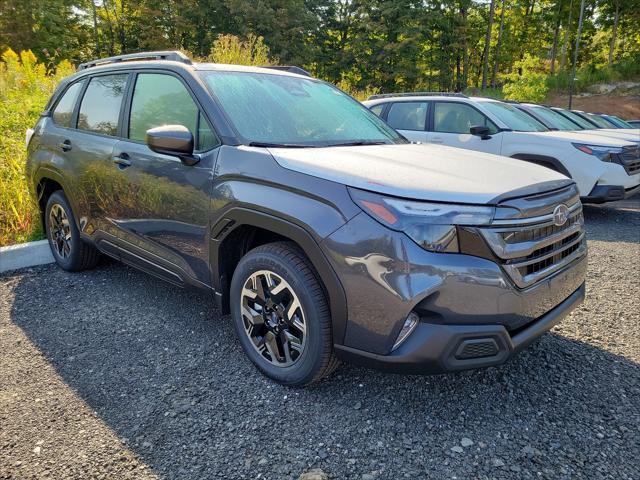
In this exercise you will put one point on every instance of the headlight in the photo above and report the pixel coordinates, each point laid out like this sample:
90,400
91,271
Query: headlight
430,225
603,152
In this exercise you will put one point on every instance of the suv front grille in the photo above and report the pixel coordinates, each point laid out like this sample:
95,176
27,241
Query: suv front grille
630,158
531,249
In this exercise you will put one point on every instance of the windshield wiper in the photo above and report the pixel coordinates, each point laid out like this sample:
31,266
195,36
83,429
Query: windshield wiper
358,142
278,145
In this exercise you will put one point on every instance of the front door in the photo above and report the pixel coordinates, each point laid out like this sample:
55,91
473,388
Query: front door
452,122
163,204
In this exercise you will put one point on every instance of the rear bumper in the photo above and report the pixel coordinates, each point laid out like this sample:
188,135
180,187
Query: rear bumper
439,348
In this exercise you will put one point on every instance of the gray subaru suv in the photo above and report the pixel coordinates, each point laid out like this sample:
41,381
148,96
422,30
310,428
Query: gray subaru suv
321,230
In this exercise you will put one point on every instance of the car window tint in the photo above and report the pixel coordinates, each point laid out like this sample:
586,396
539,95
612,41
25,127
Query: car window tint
64,110
159,100
408,115
100,107
450,117
377,109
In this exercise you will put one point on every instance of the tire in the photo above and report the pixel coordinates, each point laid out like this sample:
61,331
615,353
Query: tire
69,250
280,273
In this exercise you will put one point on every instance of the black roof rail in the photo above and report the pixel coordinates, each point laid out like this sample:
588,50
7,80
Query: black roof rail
170,55
290,69
417,94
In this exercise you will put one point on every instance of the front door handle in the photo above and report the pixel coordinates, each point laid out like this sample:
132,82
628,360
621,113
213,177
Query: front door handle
122,160
66,145
437,140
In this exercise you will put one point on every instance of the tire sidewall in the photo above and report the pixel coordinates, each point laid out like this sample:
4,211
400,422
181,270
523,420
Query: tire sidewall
304,370
73,258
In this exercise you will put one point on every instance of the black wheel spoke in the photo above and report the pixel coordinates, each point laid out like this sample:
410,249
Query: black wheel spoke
273,318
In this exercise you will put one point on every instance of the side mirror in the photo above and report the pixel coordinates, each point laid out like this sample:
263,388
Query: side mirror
175,140
480,131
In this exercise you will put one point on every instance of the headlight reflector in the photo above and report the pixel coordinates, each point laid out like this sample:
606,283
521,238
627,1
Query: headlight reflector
431,225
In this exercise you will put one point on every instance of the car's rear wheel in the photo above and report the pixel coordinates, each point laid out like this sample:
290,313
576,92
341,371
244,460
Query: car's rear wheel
281,315
69,250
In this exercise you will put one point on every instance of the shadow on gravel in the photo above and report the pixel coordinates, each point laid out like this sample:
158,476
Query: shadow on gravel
625,216
166,373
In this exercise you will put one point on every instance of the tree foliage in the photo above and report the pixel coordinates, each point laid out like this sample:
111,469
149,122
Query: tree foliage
390,45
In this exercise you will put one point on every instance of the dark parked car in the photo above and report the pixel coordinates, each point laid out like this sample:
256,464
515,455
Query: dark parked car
320,229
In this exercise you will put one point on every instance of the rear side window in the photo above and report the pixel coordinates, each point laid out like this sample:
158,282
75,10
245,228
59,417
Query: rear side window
64,110
100,107
450,117
408,115
160,99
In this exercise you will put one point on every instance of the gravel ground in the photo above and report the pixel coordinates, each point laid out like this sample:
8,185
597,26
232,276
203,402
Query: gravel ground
113,374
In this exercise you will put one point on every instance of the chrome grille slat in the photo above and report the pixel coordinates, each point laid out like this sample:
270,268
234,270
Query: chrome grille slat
532,248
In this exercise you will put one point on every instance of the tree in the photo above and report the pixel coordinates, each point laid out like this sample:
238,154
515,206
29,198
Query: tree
487,41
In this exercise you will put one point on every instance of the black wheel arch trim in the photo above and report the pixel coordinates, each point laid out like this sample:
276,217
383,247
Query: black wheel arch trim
543,160
238,216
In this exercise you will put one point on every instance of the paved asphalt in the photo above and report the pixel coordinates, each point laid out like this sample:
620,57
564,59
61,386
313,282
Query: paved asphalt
114,374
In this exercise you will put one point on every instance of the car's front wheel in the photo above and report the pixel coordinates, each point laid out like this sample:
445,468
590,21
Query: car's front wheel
69,250
281,315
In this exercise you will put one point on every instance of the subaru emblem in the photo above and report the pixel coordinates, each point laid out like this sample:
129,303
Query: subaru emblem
560,215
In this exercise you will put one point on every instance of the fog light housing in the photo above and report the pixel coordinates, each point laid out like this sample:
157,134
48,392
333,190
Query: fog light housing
410,324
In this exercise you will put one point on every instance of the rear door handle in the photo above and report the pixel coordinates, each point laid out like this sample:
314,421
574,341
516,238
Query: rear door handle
122,160
437,140
66,145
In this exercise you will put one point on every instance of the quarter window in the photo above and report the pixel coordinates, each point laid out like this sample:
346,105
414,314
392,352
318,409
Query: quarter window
159,100
101,104
450,117
377,109
408,115
64,110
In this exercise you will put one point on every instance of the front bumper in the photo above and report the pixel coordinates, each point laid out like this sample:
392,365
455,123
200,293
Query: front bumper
610,193
439,348
386,276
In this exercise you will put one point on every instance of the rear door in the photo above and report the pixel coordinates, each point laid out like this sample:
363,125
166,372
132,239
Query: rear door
90,146
451,122
409,118
162,204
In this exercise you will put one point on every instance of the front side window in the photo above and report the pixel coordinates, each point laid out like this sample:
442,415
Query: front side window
64,110
408,115
455,117
599,121
160,99
514,118
282,110
100,107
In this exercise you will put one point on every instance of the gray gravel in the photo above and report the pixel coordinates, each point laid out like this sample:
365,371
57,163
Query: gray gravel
113,374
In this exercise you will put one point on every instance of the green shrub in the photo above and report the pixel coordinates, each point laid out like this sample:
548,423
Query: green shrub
233,50
528,82
25,87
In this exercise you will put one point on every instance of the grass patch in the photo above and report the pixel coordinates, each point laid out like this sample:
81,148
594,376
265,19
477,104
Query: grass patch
25,87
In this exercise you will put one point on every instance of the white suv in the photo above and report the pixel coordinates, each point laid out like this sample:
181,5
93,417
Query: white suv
604,168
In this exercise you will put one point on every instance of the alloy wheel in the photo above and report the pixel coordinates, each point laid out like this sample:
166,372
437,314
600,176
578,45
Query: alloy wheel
60,231
273,318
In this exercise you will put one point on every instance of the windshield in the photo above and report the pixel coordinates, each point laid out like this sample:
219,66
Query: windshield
278,110
555,119
515,119
620,122
601,122
575,118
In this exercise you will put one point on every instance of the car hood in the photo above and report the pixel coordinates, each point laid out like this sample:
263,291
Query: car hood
423,172
591,137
